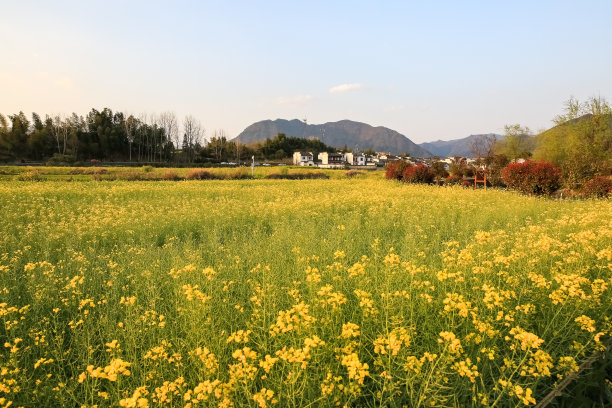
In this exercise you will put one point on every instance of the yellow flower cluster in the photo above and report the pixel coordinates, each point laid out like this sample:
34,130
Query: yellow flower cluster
110,372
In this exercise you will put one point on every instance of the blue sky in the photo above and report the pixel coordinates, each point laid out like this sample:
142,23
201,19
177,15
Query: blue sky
430,69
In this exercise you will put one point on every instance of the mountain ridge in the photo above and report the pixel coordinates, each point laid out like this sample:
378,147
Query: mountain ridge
455,147
341,133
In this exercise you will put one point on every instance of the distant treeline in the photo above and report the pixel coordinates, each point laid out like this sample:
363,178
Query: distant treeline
105,135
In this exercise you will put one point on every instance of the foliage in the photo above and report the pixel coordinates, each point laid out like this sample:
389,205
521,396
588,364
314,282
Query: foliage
200,174
282,146
495,165
581,143
529,177
353,173
598,186
517,142
171,175
417,174
30,175
438,169
394,170
128,294
453,179
461,168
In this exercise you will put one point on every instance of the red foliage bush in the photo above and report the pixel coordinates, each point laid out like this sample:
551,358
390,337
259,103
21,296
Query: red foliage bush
597,187
417,174
395,169
453,179
540,178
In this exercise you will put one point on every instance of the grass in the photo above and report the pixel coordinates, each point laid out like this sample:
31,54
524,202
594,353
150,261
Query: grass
355,292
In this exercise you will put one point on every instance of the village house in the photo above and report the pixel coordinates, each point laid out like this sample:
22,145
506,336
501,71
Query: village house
331,160
355,159
303,159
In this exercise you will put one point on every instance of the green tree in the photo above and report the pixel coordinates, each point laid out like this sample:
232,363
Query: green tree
438,169
516,143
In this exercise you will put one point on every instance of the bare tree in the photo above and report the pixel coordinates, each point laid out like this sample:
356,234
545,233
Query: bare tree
143,139
169,122
239,148
218,143
192,135
61,130
483,146
130,125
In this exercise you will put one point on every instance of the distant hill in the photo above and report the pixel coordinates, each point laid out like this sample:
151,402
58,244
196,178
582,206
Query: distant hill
338,134
456,147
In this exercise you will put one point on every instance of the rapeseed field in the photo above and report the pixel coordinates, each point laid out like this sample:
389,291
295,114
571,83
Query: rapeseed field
260,293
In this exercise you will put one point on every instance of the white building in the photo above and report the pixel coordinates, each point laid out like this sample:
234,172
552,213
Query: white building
303,159
331,159
355,159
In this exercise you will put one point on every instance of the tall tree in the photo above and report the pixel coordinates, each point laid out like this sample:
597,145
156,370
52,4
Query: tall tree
169,122
192,135
483,146
61,130
516,142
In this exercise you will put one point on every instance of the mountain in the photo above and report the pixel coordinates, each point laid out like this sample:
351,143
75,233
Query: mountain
457,147
338,134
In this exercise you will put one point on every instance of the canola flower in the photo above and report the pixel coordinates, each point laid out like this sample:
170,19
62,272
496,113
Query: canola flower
263,293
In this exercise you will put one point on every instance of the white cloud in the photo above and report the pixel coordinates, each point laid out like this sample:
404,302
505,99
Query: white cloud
294,100
345,88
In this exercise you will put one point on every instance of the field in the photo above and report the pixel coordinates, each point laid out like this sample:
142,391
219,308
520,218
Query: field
347,292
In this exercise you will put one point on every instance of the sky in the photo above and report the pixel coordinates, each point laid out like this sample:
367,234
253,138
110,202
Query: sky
429,69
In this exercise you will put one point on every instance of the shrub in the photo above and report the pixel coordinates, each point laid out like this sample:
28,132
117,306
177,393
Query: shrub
496,165
147,169
60,160
238,174
453,180
395,169
539,178
353,173
199,174
467,183
597,187
417,174
461,168
128,176
170,175
30,175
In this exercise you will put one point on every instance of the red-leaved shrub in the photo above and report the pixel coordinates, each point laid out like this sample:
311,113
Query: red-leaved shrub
539,178
395,169
597,187
453,179
417,174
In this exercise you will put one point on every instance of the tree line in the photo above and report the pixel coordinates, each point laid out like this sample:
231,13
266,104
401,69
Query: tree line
104,135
